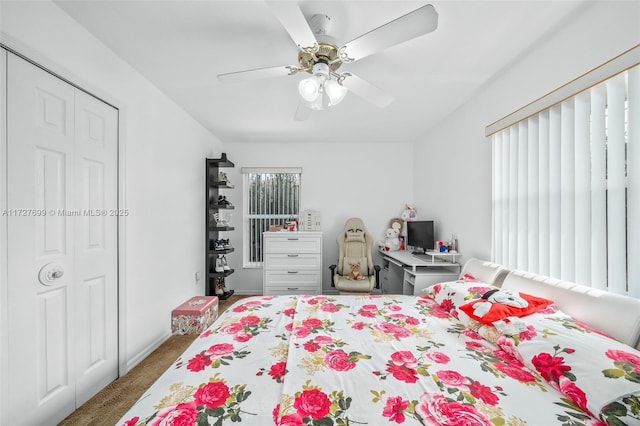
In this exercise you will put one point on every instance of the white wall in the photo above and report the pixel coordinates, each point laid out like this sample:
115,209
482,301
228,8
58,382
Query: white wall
164,151
457,153
340,179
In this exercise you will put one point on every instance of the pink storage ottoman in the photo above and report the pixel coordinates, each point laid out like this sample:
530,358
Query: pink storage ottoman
194,315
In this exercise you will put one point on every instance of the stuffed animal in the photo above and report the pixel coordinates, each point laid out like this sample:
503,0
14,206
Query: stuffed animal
505,297
391,239
355,274
409,213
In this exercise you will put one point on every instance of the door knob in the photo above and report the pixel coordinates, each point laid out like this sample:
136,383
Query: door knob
49,273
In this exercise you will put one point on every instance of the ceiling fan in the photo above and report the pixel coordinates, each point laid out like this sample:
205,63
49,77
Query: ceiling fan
320,56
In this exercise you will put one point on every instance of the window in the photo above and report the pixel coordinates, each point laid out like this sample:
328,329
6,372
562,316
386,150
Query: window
271,197
566,187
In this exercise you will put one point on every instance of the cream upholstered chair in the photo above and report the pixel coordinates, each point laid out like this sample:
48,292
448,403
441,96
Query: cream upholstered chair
355,271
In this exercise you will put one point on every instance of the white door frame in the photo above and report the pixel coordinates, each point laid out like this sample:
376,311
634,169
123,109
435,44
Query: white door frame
29,54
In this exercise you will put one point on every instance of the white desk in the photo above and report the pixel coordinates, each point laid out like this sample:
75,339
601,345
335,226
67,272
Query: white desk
406,273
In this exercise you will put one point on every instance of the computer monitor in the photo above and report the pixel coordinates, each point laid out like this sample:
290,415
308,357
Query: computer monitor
420,235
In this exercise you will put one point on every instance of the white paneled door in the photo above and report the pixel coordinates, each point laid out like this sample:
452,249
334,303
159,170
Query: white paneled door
61,246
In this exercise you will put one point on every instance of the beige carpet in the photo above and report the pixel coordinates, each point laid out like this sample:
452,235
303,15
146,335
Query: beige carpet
110,404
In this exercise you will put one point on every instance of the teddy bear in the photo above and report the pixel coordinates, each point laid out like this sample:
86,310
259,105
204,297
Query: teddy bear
392,239
355,274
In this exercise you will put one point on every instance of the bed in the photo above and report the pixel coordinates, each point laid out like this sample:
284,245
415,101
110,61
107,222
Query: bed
394,359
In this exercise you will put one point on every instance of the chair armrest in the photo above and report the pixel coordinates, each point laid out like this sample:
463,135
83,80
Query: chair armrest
377,269
333,272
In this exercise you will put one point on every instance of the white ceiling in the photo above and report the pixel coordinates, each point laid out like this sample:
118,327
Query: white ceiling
181,46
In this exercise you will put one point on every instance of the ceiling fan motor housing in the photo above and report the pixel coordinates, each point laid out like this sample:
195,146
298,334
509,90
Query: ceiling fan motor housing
327,51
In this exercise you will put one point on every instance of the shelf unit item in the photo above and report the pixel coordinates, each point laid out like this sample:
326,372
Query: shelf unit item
407,273
216,203
415,282
437,256
292,262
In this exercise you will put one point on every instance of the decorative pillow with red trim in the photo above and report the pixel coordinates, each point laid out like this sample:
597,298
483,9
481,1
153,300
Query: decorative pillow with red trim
470,278
496,305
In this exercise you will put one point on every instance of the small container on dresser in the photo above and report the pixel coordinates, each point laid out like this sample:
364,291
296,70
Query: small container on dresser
194,315
292,263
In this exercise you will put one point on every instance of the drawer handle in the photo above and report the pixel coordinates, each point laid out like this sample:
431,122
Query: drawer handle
292,239
292,288
292,272
293,255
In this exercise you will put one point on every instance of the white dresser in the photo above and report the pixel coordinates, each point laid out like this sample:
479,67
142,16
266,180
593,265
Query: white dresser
292,263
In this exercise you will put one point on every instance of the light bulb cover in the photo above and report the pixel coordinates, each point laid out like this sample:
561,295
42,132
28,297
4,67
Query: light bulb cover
335,92
309,88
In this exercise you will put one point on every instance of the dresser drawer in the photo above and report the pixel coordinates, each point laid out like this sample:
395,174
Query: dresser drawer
279,291
286,278
292,282
292,261
292,244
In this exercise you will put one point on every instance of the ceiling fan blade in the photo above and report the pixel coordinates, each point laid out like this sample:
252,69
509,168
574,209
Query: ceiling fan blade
367,91
255,74
419,22
292,19
303,112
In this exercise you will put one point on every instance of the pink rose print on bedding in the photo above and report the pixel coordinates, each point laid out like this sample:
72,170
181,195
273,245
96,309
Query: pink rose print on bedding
312,403
253,305
627,365
395,409
405,358
402,373
452,379
368,311
289,420
483,393
132,422
624,357
520,373
214,357
212,395
219,350
339,361
311,346
438,357
550,367
312,406
179,415
329,307
438,410
277,371
397,331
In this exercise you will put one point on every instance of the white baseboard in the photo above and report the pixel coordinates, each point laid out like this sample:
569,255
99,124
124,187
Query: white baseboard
147,351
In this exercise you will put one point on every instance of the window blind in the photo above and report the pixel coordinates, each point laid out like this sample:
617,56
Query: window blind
566,188
271,197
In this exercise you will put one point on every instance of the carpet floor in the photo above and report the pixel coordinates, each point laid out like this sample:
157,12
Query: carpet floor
111,403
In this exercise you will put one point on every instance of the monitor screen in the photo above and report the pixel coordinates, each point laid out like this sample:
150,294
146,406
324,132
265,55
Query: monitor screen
420,235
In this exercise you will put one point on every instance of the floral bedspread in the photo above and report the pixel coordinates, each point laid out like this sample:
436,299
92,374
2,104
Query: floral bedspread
350,360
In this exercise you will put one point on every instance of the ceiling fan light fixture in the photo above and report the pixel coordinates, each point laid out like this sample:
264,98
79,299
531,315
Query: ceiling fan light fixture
335,92
309,88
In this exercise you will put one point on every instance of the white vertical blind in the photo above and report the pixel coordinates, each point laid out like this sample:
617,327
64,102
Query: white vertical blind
271,197
582,191
616,170
543,188
533,204
633,182
555,186
567,188
522,188
598,188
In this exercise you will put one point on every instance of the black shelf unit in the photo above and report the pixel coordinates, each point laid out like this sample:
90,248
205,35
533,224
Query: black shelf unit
213,187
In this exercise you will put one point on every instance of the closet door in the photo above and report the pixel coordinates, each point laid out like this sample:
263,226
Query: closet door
62,251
